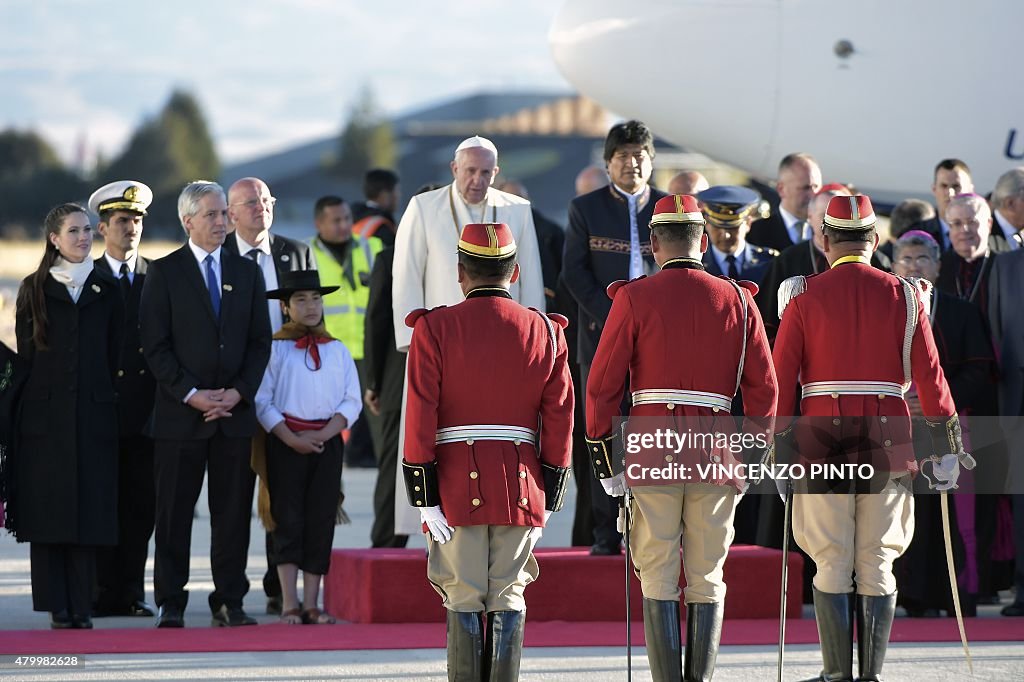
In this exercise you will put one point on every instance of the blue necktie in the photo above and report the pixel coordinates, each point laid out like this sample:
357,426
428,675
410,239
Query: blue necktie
211,284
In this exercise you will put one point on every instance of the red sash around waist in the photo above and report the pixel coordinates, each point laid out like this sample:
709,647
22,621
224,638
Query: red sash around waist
296,424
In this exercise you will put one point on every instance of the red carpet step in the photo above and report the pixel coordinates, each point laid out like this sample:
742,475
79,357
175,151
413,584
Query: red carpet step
390,586
345,637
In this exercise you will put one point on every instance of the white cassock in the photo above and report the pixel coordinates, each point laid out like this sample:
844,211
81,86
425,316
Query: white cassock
425,276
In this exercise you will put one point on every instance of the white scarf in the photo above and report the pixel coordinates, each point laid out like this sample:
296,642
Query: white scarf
72,275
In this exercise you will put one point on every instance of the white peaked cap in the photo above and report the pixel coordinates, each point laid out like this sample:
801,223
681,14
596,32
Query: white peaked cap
477,142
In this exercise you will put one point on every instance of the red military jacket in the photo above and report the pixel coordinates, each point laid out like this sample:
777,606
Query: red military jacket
489,361
849,324
682,328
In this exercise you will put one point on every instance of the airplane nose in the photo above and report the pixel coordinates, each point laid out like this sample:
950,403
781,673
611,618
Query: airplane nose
703,67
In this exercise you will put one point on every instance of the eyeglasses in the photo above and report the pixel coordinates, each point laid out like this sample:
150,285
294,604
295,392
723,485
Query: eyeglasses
965,225
254,203
920,261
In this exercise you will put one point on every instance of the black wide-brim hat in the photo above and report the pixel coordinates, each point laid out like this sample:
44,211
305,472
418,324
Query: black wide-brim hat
298,280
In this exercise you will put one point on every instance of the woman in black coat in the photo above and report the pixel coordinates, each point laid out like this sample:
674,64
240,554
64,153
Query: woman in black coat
68,323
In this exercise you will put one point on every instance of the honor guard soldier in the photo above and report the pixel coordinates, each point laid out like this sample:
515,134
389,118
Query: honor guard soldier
688,341
729,211
855,337
483,477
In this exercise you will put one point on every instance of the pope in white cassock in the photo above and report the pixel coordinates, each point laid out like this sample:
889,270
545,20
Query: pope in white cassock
426,256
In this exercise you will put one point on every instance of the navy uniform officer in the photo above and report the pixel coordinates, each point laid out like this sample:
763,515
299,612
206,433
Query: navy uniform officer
121,569
729,211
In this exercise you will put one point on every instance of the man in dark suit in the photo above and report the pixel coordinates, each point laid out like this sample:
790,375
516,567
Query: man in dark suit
385,373
1006,320
728,210
1008,207
550,241
251,215
206,337
799,179
121,569
608,239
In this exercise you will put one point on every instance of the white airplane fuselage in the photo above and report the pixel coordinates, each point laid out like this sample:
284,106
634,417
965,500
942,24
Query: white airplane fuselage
749,81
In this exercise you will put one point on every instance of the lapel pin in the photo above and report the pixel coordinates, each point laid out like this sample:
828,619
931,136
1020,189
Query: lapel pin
96,288
227,287
284,257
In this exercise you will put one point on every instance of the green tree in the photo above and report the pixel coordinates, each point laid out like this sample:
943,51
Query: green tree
32,181
367,140
23,154
167,152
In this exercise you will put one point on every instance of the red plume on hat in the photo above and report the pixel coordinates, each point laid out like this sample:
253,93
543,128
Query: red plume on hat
487,240
850,213
676,208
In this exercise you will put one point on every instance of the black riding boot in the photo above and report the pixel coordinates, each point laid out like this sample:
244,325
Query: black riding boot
874,621
465,646
503,645
703,633
661,629
834,614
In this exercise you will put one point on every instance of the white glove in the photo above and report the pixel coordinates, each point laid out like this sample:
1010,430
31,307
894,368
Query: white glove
437,524
614,486
537,531
946,471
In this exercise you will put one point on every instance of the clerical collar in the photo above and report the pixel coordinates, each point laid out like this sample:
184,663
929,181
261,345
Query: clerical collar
488,291
864,260
682,263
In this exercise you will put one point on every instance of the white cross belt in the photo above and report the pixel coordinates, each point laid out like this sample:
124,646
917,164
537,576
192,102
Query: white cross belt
835,389
473,432
670,397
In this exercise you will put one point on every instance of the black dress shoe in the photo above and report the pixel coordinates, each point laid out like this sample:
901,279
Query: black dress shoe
274,606
139,609
231,617
170,617
60,620
1014,610
81,622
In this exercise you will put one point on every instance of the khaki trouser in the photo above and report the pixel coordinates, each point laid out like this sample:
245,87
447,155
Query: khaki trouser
483,568
699,513
855,537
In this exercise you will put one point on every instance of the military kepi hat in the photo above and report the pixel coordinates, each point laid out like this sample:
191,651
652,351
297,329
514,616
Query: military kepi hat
676,208
123,195
728,206
850,213
487,240
298,280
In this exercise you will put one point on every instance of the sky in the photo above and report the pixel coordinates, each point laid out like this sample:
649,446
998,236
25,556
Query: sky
268,74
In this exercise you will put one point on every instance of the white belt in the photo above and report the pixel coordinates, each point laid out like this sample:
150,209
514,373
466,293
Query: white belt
671,397
474,432
838,388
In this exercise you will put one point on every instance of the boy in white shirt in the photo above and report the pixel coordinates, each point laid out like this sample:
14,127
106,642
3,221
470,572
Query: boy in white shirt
309,394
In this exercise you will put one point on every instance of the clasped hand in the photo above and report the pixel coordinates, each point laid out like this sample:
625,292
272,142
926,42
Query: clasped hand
214,403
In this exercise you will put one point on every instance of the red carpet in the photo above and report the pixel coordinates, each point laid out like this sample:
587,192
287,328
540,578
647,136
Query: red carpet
432,636
573,586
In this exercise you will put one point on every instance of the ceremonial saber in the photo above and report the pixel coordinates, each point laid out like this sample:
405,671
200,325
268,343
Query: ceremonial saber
944,502
787,517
